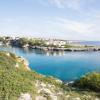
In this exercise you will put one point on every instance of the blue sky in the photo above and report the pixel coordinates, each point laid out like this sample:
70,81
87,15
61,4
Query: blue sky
65,19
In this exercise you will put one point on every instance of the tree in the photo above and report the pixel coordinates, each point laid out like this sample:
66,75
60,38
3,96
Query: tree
22,41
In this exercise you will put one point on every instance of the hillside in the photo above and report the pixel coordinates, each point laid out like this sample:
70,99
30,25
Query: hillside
18,82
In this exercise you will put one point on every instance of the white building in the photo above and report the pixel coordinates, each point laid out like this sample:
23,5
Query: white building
56,42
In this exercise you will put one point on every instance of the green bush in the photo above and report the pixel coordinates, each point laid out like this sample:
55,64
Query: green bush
13,81
36,42
22,41
90,81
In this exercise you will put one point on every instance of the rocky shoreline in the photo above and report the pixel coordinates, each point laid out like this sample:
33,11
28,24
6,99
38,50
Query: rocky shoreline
47,45
65,49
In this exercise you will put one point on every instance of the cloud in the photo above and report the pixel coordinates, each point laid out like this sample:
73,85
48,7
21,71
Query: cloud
56,27
58,3
64,23
70,25
72,4
86,30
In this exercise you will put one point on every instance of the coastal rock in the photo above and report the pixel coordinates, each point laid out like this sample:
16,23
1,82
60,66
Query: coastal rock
25,96
8,54
97,99
48,90
16,65
40,98
25,62
67,96
77,98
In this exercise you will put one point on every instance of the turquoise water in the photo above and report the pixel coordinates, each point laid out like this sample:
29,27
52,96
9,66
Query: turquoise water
66,66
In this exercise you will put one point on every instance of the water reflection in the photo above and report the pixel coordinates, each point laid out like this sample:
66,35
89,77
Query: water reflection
29,51
47,53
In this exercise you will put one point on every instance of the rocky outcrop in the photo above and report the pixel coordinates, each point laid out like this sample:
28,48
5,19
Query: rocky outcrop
66,49
24,61
25,96
48,91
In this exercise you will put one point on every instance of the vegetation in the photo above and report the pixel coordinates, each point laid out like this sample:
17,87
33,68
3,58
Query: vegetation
17,80
45,45
22,41
36,42
90,81
1,39
14,81
68,46
76,46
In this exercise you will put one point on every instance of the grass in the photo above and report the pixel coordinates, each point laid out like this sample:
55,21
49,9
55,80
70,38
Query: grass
76,46
14,81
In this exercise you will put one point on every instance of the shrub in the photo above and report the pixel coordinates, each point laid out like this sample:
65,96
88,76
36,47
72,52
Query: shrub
90,81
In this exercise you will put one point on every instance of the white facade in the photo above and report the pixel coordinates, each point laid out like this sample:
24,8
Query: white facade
56,42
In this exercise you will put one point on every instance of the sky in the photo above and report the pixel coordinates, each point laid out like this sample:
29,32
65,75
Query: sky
61,19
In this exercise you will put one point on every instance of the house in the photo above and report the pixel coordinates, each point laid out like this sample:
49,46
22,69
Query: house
55,42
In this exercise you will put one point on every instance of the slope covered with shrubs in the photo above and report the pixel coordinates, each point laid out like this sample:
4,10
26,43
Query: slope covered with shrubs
17,81
14,81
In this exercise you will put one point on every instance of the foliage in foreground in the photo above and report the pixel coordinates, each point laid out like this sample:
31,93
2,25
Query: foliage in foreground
90,81
14,81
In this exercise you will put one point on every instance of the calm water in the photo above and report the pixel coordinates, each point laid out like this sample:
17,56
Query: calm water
67,66
90,43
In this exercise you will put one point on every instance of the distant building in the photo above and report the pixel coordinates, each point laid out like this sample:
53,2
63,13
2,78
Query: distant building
56,42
